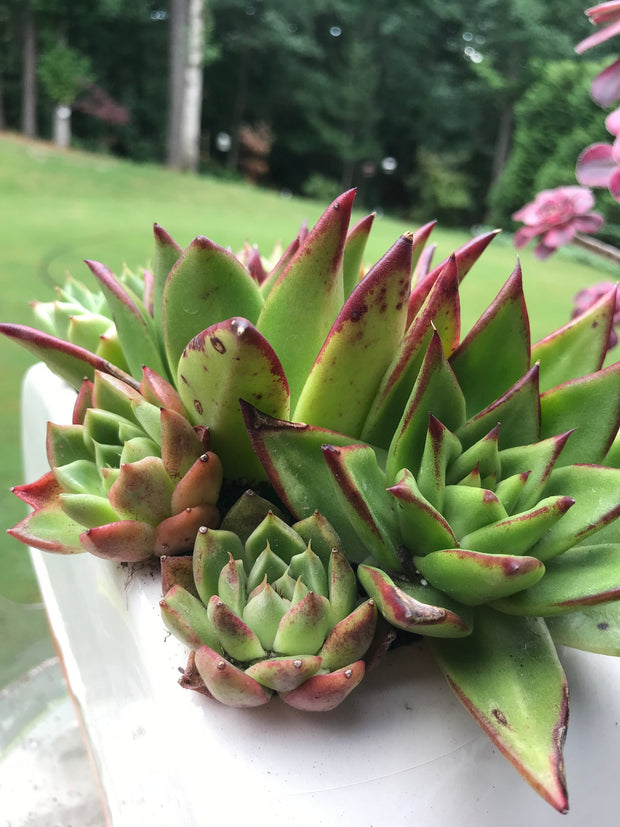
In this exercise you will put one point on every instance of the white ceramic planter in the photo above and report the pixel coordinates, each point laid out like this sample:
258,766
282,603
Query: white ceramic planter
400,751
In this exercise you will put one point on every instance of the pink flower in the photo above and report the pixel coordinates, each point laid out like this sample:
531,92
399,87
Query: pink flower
603,13
589,296
556,215
599,164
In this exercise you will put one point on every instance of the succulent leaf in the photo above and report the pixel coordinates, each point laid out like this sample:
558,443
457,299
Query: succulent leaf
205,286
239,363
303,303
352,261
228,684
594,629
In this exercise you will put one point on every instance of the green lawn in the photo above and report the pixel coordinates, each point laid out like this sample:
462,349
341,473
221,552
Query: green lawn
59,207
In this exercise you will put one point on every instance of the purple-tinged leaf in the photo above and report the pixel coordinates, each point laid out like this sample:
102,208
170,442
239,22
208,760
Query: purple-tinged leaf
466,256
228,684
580,577
128,540
235,636
391,398
158,391
285,447
579,347
467,508
474,577
406,612
518,533
355,355
178,571
70,362
422,527
186,617
440,449
423,266
142,491
227,362
177,534
303,628
255,267
48,528
591,405
596,491
496,351
352,262
284,674
200,485
518,411
303,303
206,286
283,261
508,676
135,330
83,402
436,392
362,500
167,253
180,444
538,459
322,693
350,639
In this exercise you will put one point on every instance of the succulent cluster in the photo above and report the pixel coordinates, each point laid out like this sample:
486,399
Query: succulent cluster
130,479
472,482
278,613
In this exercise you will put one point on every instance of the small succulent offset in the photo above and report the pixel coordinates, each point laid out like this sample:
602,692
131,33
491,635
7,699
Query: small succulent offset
278,613
473,482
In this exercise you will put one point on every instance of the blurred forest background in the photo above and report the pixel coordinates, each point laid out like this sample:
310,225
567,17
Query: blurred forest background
461,109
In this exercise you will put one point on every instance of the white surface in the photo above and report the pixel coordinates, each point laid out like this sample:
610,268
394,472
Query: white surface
400,751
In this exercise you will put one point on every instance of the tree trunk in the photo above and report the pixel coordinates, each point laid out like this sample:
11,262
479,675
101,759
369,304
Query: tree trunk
192,92
29,75
238,110
177,59
62,125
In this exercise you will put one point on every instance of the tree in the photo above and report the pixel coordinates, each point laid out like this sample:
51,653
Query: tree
63,72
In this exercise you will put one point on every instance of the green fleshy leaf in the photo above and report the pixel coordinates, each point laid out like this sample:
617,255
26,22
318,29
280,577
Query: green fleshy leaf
352,261
275,533
138,448
595,629
284,674
392,396
595,490
305,300
517,534
212,550
309,567
115,396
518,412
79,477
440,449
66,443
231,586
206,286
167,253
423,528
355,355
87,509
142,491
507,674
135,329
267,566
580,577
283,448
510,490
612,457
320,534
496,351
263,614
50,529
228,684
473,577
350,639
436,392
239,364
360,487
578,348
591,405
303,628
342,587
482,455
186,617
234,635
467,509
537,460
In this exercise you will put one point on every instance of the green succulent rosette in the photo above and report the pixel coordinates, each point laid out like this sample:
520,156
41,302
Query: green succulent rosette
130,479
276,614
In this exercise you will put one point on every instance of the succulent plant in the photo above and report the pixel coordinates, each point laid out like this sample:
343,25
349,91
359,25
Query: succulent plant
129,479
480,499
473,480
278,613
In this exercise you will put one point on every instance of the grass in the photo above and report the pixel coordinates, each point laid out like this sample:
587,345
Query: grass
60,207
